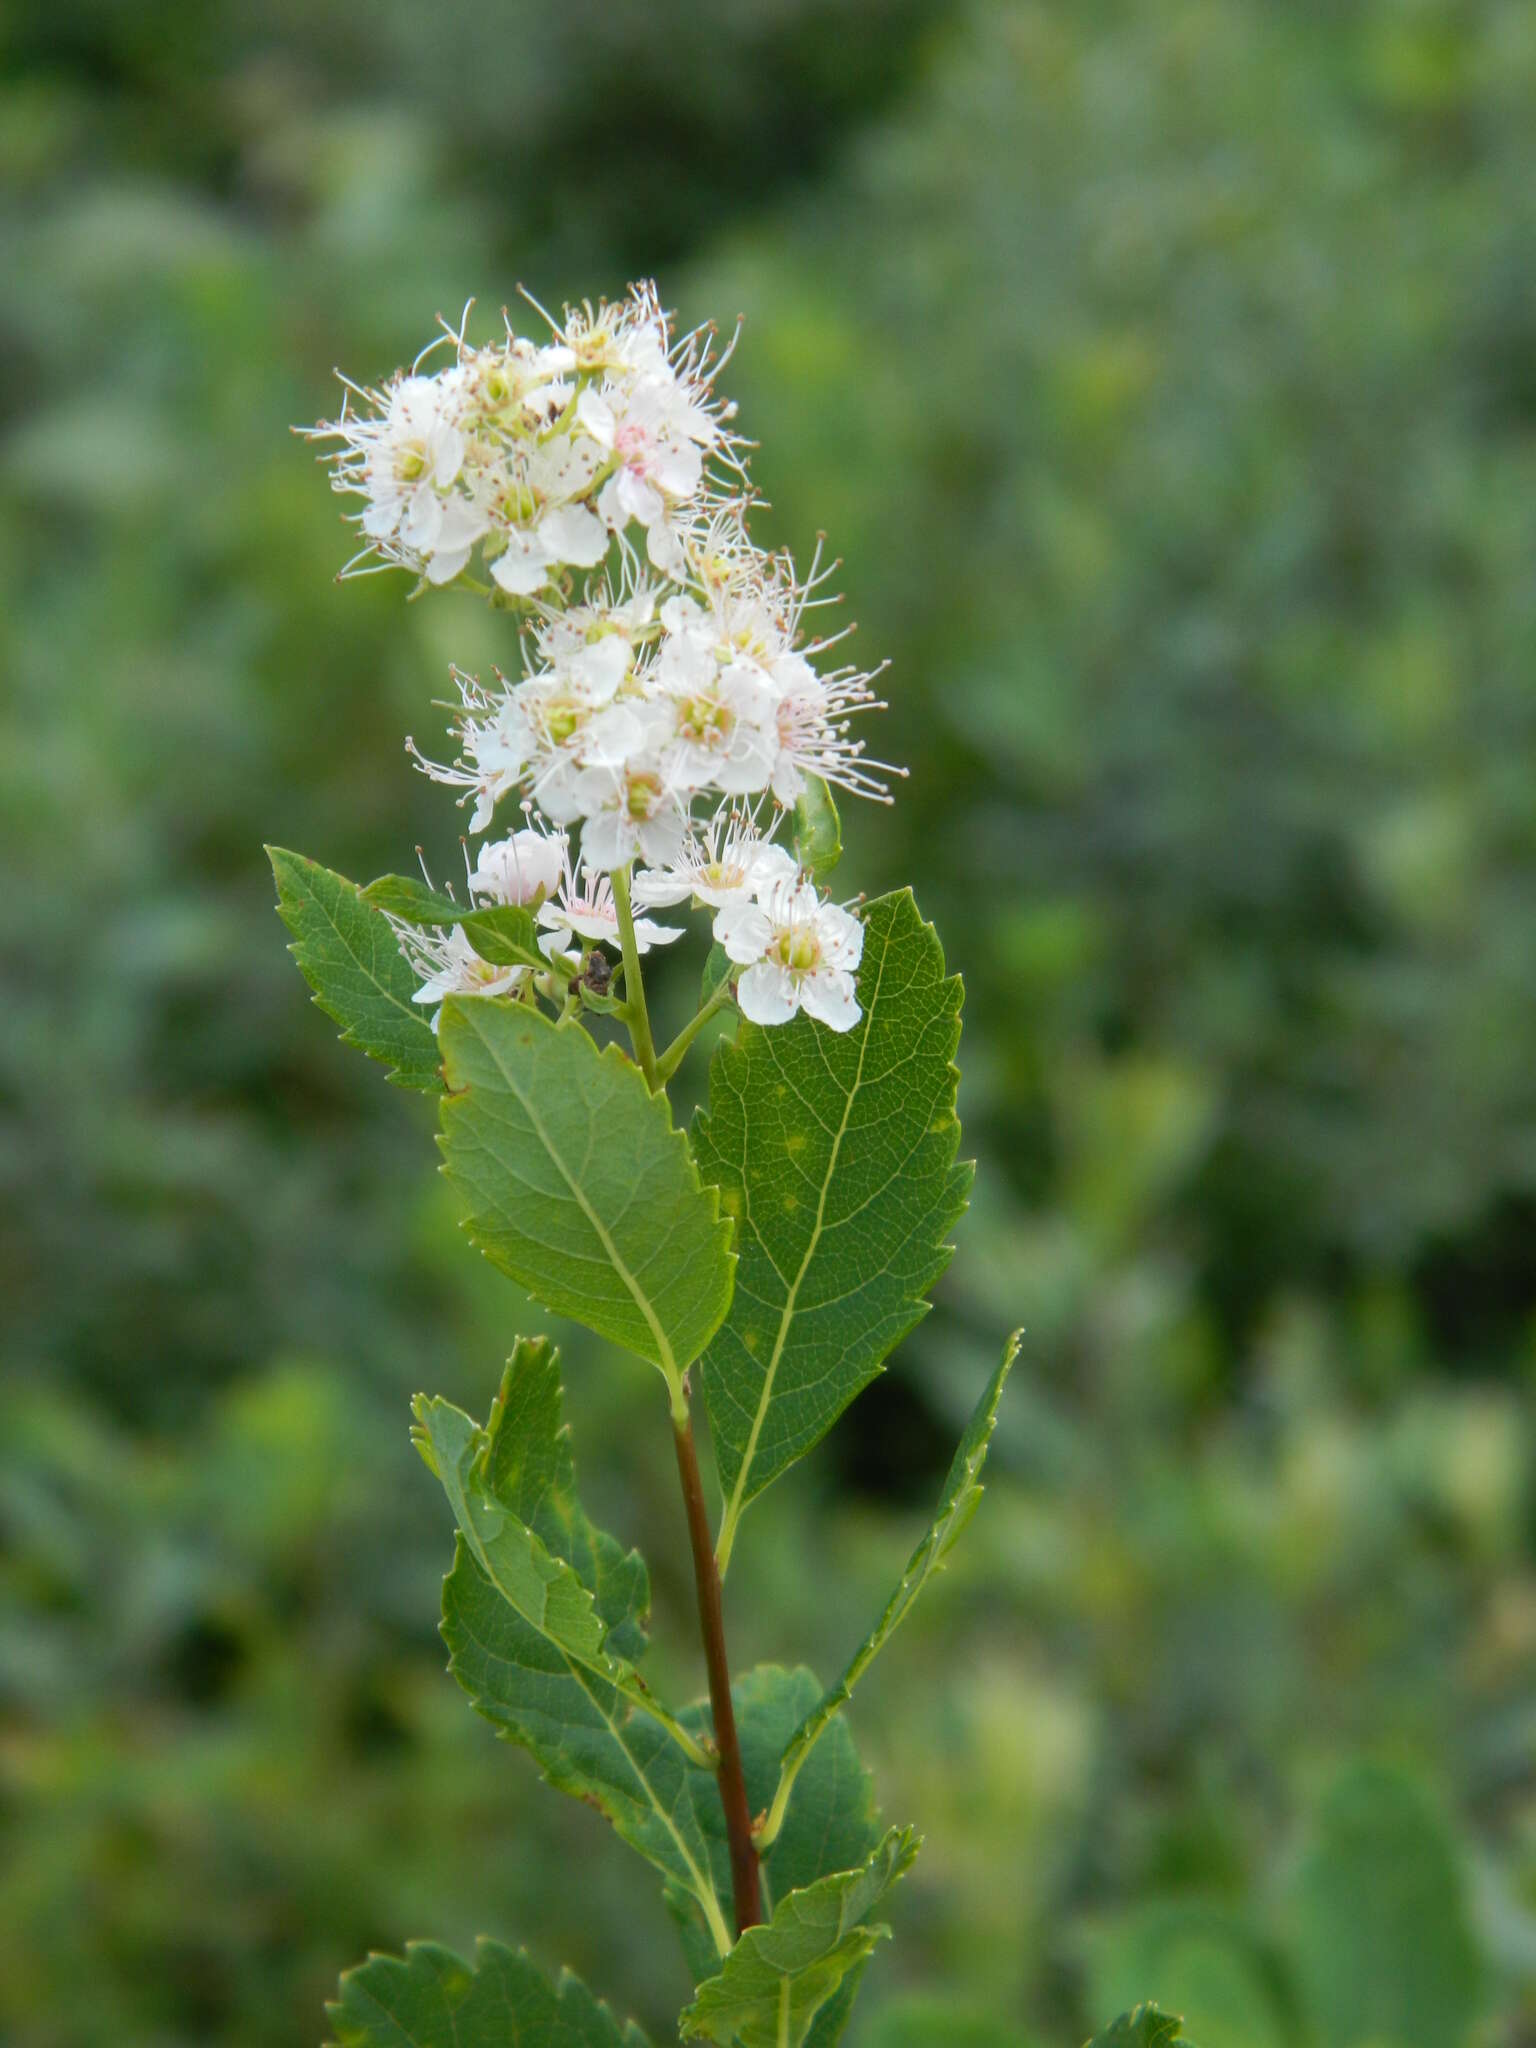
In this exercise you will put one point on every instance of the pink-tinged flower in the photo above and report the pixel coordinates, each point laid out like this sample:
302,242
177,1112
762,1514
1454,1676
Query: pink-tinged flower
584,908
521,869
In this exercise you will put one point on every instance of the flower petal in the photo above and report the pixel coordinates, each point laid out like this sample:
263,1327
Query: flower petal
767,993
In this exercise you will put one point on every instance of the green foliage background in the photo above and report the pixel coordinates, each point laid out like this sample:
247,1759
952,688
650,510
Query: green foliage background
1166,375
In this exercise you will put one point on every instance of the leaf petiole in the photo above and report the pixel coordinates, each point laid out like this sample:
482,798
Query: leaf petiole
669,1062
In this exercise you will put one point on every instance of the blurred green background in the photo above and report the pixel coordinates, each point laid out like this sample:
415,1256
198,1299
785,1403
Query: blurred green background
1165,373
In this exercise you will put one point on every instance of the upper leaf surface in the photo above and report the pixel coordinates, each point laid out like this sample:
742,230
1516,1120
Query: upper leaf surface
579,1708
836,1155
958,1501
431,1998
348,954
779,1976
578,1185
552,1585
1144,2026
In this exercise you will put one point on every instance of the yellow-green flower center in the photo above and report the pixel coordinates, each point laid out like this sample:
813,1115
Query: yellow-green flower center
796,949
562,719
704,718
520,504
644,796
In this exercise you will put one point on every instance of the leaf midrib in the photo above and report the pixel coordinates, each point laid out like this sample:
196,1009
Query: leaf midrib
364,967
703,1888
637,1293
734,1508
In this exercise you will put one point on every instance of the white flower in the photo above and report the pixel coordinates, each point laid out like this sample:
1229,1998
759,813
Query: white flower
524,868
652,676
497,746
577,727
406,457
561,635
629,337
505,383
634,809
657,435
811,726
716,868
449,966
585,907
536,514
799,953
723,734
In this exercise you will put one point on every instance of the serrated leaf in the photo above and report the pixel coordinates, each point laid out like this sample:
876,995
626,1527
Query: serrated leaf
818,829
553,1590
836,1155
778,1977
1144,2026
504,933
959,1498
351,959
594,1733
831,1823
431,1998
1382,1937
577,1184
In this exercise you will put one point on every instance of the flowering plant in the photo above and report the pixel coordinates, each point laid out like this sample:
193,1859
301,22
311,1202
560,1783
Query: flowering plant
673,738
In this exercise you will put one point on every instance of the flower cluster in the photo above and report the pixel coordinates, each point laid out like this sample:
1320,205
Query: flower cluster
671,704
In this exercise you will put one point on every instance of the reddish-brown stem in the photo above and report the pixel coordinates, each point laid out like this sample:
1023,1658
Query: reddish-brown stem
733,1786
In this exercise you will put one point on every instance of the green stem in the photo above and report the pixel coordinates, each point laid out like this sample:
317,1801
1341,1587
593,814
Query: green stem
672,1058
636,1015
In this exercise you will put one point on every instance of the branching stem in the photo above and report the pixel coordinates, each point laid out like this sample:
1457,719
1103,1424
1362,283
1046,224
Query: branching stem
745,1884
669,1062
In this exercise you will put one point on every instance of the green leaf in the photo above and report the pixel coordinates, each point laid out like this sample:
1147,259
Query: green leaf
1144,2026
831,1823
555,1596
505,934
578,1185
1381,1928
432,1998
959,1499
352,960
559,1678
818,829
779,1976
835,1153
